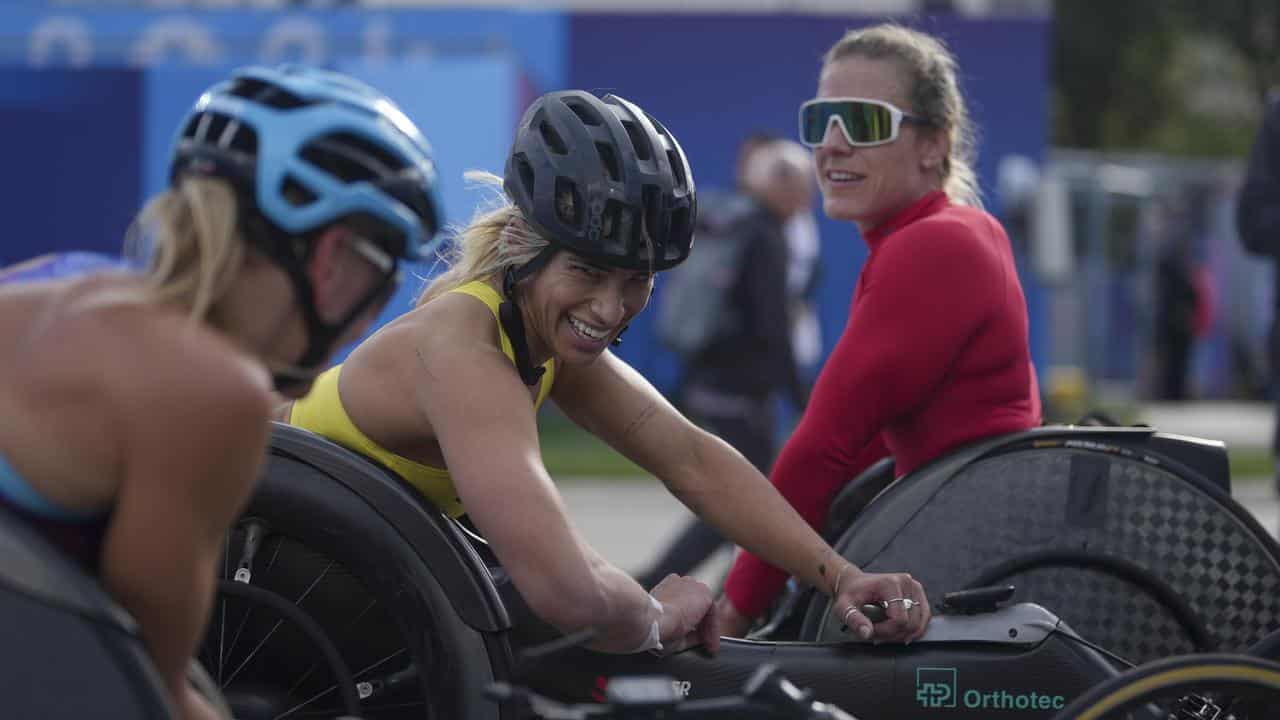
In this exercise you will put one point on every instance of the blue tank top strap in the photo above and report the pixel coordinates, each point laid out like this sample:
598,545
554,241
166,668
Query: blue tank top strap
17,492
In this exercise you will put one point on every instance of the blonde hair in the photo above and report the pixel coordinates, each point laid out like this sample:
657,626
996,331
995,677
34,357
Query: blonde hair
496,238
189,236
934,92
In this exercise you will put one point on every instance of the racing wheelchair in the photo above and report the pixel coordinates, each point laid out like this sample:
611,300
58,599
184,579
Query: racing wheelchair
344,593
1129,533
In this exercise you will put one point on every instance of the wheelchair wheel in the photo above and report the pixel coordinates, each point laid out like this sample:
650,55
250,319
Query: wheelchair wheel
1185,687
325,609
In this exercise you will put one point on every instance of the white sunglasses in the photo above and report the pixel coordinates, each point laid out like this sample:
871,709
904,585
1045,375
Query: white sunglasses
864,122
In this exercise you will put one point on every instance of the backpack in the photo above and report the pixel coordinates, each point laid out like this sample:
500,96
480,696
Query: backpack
695,307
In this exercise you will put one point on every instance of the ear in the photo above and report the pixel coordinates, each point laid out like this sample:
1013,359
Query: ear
324,267
933,147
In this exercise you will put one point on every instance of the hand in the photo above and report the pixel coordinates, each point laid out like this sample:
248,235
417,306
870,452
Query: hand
687,620
906,620
192,705
731,622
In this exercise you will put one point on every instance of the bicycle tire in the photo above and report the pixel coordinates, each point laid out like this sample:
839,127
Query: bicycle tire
1221,673
324,525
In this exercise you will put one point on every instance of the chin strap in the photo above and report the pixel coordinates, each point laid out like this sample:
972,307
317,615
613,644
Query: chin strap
291,254
513,322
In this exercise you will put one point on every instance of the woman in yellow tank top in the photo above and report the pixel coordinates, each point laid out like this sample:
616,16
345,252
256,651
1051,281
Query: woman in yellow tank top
601,198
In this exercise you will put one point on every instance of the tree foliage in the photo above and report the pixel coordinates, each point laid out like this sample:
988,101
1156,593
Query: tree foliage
1178,76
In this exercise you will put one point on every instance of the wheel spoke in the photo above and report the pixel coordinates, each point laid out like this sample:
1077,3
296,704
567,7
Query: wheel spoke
331,688
222,604
276,627
235,639
344,631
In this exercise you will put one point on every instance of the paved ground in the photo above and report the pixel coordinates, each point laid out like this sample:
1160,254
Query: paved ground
1247,424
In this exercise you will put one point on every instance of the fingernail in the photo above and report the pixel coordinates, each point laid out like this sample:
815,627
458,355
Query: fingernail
865,632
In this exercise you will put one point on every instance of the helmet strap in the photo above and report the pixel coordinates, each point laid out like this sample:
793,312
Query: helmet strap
290,254
513,322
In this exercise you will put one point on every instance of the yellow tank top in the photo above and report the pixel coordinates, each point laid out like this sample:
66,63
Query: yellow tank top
321,412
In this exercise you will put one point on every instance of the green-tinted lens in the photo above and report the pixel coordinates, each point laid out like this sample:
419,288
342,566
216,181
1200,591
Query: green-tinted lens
864,122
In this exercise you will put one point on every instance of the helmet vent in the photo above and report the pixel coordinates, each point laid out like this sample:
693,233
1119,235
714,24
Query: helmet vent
350,158
638,140
213,127
585,113
651,196
610,161
611,220
526,174
244,140
568,202
680,225
295,193
266,93
189,131
677,169
552,139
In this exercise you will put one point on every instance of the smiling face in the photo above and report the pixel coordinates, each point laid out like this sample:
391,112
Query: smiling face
866,185
574,308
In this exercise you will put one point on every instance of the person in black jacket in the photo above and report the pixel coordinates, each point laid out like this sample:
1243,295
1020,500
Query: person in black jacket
1258,223
729,386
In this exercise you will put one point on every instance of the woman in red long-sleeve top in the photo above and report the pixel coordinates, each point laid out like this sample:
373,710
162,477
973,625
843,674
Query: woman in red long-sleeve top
935,353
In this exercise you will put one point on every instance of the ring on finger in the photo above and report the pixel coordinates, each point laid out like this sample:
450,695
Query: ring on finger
907,603
851,611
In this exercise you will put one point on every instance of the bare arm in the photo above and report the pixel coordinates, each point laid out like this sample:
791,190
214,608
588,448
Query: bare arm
193,449
613,401
485,423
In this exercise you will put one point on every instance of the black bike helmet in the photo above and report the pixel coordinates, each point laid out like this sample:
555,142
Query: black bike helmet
604,179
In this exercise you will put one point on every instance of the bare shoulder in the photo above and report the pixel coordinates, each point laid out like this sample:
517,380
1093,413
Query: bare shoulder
167,374
449,325
454,318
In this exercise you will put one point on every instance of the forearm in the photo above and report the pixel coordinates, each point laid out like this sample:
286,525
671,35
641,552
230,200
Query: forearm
171,609
577,589
727,491
631,612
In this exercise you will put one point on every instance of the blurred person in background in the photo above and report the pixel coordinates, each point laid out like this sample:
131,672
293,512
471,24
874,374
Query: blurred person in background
144,397
1258,223
935,353
597,197
1182,299
741,280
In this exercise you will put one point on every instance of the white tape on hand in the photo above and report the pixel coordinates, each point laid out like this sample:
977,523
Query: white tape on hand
653,643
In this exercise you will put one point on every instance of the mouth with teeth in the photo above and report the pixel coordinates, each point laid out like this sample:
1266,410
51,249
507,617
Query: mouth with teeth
593,335
839,177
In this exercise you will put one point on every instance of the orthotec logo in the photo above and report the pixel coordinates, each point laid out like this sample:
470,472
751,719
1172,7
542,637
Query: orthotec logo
936,687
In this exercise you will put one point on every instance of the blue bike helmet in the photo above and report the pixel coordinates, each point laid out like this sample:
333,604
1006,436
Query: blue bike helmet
310,147
304,149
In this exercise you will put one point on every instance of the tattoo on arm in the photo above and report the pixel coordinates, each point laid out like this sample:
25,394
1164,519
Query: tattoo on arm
643,417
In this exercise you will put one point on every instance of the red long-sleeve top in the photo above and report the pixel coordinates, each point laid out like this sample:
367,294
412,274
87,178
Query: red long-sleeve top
935,355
